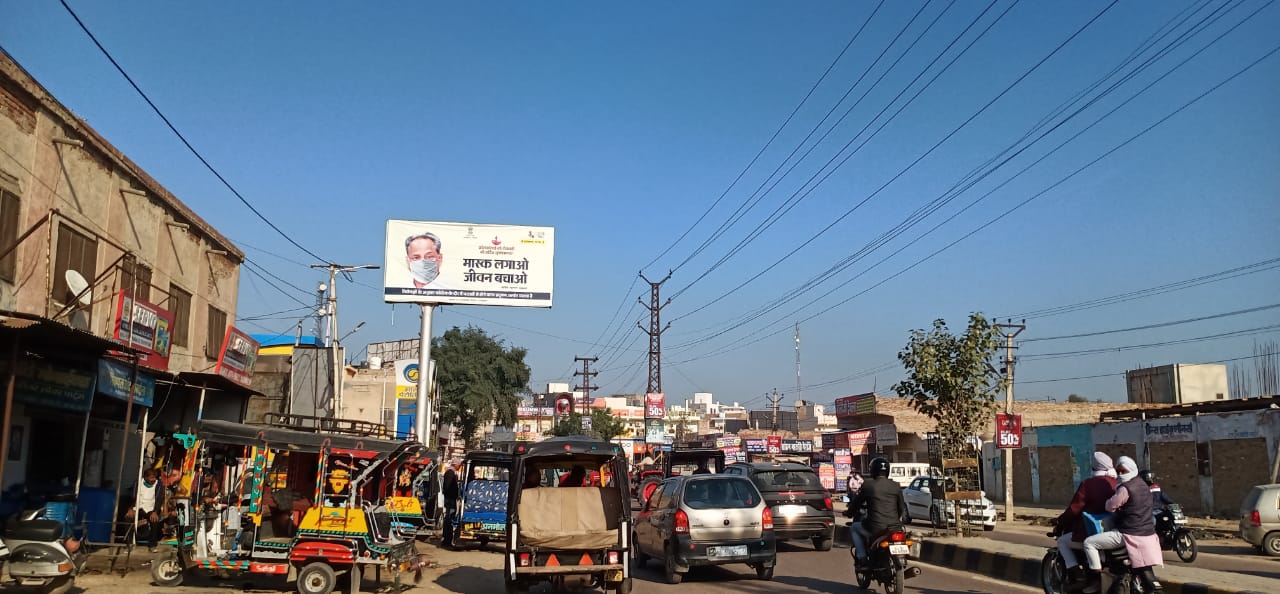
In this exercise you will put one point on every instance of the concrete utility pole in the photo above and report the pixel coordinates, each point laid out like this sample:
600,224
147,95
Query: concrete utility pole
332,311
586,374
774,400
799,389
1010,331
655,331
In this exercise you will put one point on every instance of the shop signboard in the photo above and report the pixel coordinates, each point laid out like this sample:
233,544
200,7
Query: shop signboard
797,446
146,327
827,474
468,264
843,463
654,432
861,404
407,378
860,441
46,386
755,445
239,353
886,435
114,379
835,440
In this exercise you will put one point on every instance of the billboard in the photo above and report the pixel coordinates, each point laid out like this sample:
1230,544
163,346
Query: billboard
239,353
407,378
655,406
468,264
774,444
861,404
1008,431
654,432
146,327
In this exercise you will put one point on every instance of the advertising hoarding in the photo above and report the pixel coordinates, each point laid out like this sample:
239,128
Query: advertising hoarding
239,353
797,446
468,264
654,432
407,378
1008,431
655,406
146,327
774,444
860,404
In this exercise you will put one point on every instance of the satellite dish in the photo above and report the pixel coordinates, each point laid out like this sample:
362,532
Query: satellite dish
77,284
80,320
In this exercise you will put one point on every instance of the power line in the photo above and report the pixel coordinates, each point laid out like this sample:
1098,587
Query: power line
1218,336
1122,373
769,142
1158,325
184,140
250,270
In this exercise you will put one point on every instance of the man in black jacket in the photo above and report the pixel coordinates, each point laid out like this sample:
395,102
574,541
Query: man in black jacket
885,507
449,488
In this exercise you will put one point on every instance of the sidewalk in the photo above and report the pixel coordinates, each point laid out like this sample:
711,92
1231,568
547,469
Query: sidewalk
1040,514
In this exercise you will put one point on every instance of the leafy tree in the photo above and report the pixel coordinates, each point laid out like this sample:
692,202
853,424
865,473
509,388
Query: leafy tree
478,379
1076,398
603,425
950,378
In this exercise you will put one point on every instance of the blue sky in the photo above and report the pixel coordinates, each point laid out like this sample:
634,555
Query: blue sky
620,125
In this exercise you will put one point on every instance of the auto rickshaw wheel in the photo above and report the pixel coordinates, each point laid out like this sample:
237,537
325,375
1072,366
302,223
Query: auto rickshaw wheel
316,578
167,572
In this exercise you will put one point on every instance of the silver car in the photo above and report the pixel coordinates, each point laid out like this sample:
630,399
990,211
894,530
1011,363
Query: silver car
710,519
922,506
1260,519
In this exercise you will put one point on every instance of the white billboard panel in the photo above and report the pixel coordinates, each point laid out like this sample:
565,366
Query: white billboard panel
468,264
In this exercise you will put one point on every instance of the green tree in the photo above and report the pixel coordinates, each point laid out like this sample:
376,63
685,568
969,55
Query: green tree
950,378
1076,398
603,425
478,379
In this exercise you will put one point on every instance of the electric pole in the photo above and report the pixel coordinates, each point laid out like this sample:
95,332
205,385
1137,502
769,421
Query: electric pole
332,312
655,331
799,389
774,400
586,374
1009,330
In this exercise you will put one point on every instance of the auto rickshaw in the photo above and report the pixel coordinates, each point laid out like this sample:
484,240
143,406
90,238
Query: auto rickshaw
562,528
482,497
406,488
303,504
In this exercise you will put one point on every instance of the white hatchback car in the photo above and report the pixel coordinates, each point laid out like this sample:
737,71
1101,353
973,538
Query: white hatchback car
922,506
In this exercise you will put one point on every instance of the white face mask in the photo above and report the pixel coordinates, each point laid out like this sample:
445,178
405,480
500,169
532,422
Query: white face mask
424,270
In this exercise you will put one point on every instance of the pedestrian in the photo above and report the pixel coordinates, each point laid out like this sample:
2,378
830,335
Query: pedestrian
150,503
449,489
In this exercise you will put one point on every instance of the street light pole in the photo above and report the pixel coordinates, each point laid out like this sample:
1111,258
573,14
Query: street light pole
334,269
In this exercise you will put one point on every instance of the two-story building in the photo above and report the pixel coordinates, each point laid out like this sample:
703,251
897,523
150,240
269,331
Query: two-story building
109,287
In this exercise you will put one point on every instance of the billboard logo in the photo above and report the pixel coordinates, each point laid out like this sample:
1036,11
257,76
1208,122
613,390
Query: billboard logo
411,373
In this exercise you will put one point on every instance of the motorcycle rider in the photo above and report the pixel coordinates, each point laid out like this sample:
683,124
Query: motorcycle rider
1091,496
1159,500
1135,529
885,508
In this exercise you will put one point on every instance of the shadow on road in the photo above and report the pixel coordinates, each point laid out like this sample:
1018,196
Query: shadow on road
471,579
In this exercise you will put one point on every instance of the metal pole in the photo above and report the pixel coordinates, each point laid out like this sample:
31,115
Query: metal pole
84,438
8,404
199,409
1008,409
128,414
333,335
423,420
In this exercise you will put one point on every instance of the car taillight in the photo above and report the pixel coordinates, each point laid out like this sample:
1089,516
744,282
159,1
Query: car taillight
525,559
766,519
682,522
826,503
1255,518
613,557
898,537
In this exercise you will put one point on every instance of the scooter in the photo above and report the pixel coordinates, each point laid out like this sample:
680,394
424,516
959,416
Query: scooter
40,556
1123,579
890,561
1171,525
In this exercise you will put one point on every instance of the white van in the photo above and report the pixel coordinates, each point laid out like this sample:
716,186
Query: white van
904,472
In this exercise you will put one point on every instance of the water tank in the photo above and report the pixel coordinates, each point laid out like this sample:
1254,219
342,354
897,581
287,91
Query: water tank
375,362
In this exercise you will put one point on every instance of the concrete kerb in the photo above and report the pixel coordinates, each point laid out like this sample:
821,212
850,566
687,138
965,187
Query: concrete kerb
1026,571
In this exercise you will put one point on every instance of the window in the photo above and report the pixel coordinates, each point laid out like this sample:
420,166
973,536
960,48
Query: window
217,330
78,252
131,271
9,207
180,305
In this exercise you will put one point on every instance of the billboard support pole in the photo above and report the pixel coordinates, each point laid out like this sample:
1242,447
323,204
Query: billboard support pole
423,420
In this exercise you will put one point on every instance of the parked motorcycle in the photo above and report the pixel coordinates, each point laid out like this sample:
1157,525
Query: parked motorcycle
1171,525
40,556
1118,576
890,561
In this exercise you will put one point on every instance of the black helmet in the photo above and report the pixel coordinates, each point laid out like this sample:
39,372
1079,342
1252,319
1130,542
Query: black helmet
880,467
1147,476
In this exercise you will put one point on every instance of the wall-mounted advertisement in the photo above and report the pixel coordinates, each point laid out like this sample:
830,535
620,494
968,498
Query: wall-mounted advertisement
407,378
146,327
468,264
239,353
654,431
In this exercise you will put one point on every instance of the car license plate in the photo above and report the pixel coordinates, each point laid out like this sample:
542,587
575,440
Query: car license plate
899,550
727,551
790,510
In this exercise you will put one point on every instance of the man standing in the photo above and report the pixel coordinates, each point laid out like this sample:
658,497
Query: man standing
449,489
1091,496
885,508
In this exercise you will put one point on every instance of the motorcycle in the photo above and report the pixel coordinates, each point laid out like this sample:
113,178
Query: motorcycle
1171,525
1122,578
40,556
890,561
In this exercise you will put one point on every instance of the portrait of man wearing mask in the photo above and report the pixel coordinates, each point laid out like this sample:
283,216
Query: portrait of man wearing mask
423,256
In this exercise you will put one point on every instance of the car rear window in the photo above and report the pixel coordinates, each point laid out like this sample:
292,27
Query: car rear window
778,480
1251,500
720,494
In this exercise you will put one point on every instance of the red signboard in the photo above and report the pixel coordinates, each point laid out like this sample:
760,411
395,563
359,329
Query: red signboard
146,327
861,404
564,403
835,440
775,444
655,406
1008,430
239,353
